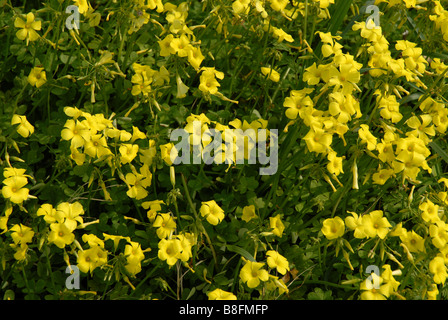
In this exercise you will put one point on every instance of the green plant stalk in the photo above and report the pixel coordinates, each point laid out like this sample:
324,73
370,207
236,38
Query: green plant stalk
198,220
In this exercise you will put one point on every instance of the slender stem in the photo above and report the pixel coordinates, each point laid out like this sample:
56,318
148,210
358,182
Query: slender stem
190,202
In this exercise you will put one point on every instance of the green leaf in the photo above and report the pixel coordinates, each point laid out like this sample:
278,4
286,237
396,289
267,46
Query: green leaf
319,294
240,251
439,151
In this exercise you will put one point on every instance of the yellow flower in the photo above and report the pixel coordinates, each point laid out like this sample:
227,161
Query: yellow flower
281,34
277,226
128,152
181,45
367,137
169,250
241,6
29,28
16,172
219,294
21,234
208,83
382,176
76,132
83,5
252,273
25,129
333,228
138,182
439,234
430,211
249,213
371,291
318,140
355,223
115,239
96,146
37,77
134,255
72,214
413,241
165,46
195,57
93,240
438,268
60,235
154,206
185,244
276,260
212,212
168,153
91,258
77,156
422,129
165,225
271,73
14,189
375,224
432,294
334,165
142,84
21,250
51,215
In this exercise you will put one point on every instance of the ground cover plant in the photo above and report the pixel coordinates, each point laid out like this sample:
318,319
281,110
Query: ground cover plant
342,102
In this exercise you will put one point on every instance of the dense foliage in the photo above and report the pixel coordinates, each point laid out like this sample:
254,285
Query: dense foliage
351,99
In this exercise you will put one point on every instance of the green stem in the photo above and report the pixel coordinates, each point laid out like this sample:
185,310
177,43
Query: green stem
190,202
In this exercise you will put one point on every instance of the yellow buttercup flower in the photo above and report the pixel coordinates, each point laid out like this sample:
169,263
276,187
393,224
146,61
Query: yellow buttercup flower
252,273
187,240
14,190
24,128
169,250
367,137
277,261
91,258
219,294
333,228
50,214
96,146
271,74
430,211
21,234
76,132
413,241
128,152
60,235
134,255
37,77
138,182
83,6
154,207
355,223
375,224
212,212
438,268
72,214
277,226
28,28
165,225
